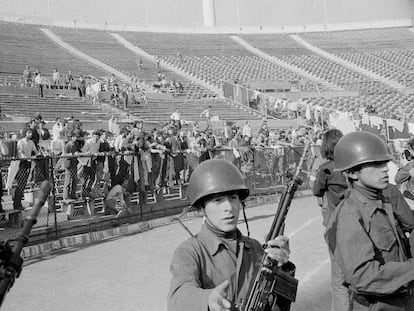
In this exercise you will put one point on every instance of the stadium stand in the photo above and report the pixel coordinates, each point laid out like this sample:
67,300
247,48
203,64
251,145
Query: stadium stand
160,110
26,45
362,41
387,52
185,44
50,107
217,58
213,58
104,47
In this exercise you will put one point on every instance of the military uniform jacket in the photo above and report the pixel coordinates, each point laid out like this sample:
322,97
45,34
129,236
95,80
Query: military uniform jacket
201,263
362,236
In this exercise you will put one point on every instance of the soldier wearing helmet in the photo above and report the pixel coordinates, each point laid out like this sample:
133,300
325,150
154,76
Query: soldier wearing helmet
366,232
213,269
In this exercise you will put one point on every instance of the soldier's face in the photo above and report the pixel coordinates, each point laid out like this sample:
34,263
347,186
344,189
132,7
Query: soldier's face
372,175
222,210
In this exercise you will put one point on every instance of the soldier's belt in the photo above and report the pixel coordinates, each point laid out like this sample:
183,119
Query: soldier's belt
367,300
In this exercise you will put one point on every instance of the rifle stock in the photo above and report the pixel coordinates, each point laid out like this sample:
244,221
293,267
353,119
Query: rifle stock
10,260
274,287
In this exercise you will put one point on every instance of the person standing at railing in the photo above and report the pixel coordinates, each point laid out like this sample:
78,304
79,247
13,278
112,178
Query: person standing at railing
104,164
42,131
120,139
172,147
81,133
70,165
40,167
58,136
25,149
88,171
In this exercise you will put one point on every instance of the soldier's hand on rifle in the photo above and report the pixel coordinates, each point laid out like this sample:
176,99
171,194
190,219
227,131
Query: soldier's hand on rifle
278,249
217,300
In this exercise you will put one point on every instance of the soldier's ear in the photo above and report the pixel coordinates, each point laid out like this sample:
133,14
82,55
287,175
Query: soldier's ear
351,175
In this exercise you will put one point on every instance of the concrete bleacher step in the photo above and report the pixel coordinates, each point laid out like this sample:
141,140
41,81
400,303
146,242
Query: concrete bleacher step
49,107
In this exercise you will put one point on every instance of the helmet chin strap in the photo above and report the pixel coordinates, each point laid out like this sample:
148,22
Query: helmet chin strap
245,218
209,222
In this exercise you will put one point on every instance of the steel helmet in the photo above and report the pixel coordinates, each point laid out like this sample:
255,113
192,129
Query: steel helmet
359,147
215,176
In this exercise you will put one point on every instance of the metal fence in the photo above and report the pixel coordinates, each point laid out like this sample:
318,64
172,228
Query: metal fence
94,191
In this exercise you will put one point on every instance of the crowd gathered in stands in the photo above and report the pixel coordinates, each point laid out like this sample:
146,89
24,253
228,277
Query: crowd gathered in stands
131,156
137,157
160,157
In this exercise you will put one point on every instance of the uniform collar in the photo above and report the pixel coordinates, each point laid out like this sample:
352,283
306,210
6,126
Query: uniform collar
368,206
213,242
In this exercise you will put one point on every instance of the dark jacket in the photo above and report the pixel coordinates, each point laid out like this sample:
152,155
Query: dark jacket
331,185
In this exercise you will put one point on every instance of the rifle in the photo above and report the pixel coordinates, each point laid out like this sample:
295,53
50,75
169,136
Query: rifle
10,260
274,287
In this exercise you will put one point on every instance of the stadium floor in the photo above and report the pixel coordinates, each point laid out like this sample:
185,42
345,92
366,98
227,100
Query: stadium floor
131,272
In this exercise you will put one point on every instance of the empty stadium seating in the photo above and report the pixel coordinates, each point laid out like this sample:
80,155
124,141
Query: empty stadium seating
160,110
23,45
102,46
387,53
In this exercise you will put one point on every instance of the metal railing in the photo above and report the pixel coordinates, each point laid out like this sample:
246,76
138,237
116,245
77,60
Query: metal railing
94,191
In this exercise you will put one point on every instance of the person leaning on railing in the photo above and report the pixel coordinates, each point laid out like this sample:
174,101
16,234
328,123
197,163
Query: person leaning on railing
26,149
88,169
70,165
103,164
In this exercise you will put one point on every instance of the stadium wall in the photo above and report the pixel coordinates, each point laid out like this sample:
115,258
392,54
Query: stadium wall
212,16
